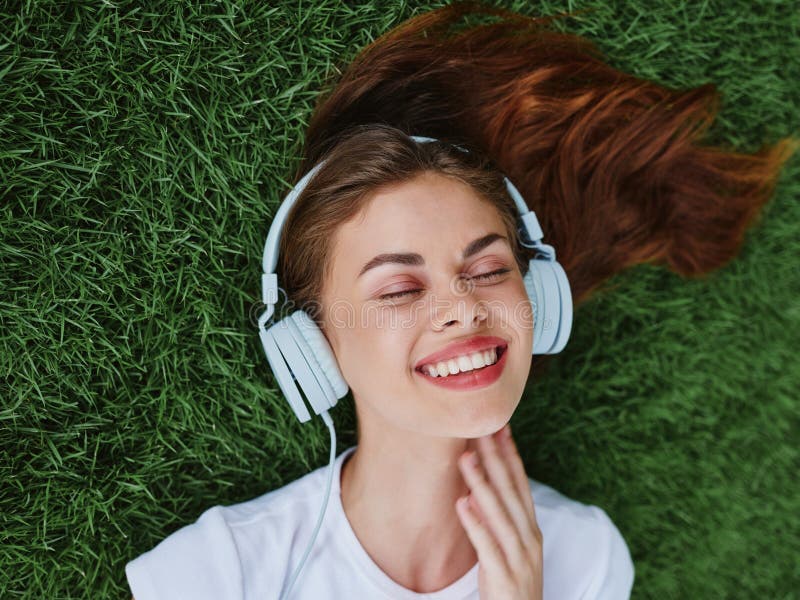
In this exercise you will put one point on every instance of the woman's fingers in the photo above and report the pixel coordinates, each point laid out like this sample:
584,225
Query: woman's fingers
493,506
506,535
489,552
495,455
519,476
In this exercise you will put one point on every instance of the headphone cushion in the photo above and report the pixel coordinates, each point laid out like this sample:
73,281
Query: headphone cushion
532,294
322,352
533,285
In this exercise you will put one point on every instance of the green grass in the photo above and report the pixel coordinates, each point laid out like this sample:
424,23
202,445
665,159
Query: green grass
144,151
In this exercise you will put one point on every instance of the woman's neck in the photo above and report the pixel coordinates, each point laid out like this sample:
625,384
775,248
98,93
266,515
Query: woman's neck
401,506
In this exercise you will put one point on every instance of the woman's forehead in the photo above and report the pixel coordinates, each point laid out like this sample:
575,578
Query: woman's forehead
416,214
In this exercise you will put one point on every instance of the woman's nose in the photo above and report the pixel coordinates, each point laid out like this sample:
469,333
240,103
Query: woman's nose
457,302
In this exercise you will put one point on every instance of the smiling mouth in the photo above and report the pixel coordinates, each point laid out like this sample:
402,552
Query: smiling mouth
423,370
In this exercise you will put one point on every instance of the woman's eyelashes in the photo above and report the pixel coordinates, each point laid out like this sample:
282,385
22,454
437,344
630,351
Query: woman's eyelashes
482,276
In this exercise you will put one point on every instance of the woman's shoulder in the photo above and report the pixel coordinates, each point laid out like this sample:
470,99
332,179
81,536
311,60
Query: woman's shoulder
584,546
205,559
292,498
198,560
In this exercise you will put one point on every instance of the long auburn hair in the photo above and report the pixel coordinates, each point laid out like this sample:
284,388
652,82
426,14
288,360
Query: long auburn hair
611,163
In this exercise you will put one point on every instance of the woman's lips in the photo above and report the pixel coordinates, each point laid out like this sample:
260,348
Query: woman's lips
471,380
477,343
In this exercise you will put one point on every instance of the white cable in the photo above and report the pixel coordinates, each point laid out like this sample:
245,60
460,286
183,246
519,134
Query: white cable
329,422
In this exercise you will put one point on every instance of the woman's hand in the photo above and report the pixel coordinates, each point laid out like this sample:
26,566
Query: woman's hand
500,520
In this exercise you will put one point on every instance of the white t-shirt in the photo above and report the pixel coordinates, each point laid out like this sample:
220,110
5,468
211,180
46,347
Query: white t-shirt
249,551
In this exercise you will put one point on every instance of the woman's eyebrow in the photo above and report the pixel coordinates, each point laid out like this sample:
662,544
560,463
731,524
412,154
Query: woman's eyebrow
414,259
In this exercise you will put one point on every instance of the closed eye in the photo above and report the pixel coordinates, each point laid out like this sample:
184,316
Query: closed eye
482,276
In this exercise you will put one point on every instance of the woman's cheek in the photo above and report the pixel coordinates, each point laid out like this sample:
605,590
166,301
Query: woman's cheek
518,311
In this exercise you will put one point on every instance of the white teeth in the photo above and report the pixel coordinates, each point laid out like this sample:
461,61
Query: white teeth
489,355
460,364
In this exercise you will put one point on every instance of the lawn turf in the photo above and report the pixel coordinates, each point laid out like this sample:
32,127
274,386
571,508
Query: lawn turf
144,148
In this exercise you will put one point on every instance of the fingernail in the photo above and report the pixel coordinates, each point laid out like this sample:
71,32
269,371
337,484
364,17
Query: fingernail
472,459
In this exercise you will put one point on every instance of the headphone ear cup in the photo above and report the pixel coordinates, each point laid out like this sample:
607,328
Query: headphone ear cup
565,312
283,374
323,354
296,328
549,307
285,334
552,302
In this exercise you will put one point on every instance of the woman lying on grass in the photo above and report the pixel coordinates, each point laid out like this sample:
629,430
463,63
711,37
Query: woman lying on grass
433,501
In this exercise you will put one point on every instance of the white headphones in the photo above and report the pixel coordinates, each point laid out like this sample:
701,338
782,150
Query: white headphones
298,352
